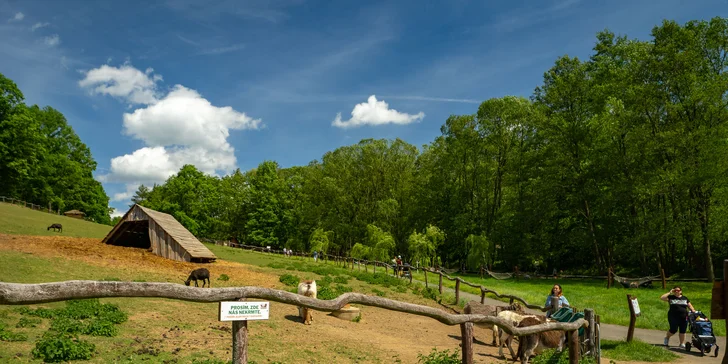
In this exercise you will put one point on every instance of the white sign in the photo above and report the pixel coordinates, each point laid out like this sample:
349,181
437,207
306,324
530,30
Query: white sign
636,307
244,311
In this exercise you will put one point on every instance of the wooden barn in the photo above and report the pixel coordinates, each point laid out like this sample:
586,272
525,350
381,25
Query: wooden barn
161,233
75,214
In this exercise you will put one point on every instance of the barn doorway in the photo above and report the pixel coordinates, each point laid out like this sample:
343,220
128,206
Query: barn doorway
134,234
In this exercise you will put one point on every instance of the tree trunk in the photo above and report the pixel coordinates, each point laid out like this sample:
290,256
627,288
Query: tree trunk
590,222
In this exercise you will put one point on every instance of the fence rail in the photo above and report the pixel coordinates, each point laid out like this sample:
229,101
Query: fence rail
21,294
15,201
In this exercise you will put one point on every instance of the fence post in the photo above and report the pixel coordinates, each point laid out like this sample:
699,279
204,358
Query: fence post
457,290
574,347
375,267
590,332
632,319
466,334
425,271
482,295
410,273
662,274
240,341
609,277
440,273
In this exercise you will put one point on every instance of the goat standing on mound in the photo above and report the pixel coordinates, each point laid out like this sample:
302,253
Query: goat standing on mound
477,308
535,344
308,289
201,274
56,226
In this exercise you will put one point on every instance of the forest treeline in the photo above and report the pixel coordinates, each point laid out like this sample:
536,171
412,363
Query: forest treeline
43,161
616,160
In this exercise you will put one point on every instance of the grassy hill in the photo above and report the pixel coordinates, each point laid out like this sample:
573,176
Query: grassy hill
20,220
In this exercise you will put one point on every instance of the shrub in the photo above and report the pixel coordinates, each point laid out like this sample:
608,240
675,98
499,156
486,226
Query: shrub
430,293
27,322
378,292
289,280
439,357
59,347
341,280
551,356
223,277
6,335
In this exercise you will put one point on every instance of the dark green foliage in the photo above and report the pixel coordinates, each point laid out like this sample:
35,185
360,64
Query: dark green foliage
341,279
56,347
289,280
7,335
28,322
88,317
43,161
223,277
439,357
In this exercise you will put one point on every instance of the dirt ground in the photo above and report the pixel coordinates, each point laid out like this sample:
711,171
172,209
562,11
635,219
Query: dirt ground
381,336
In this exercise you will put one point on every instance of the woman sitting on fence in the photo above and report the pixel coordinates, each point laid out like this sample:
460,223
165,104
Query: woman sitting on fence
556,297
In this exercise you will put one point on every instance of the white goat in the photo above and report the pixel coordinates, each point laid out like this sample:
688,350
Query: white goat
308,289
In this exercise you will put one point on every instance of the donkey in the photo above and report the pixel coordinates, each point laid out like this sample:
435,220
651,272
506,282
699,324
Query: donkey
201,274
56,226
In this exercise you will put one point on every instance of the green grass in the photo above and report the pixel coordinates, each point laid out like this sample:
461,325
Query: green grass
609,304
636,350
24,221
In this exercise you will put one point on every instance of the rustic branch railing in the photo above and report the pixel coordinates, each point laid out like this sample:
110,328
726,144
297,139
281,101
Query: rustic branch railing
21,294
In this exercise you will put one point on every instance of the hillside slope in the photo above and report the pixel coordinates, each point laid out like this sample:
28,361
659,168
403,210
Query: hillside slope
20,220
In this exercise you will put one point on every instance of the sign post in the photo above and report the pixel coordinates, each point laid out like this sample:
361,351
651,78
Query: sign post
239,312
634,311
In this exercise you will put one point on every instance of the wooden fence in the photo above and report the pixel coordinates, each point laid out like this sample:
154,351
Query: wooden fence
14,201
22,294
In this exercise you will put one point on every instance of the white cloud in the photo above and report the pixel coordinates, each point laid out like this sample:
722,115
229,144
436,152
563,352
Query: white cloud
124,82
182,127
117,213
375,112
184,117
52,40
17,17
37,26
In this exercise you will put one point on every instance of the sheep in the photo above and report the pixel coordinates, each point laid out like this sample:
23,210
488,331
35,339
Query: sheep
55,226
308,289
475,307
535,344
514,318
201,274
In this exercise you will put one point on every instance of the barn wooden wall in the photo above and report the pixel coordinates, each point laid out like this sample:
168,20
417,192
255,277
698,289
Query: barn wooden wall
161,243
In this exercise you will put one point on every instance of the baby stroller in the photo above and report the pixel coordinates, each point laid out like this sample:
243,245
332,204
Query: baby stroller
701,330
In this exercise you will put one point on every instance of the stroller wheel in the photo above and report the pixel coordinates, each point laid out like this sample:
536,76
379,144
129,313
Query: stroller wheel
688,346
716,351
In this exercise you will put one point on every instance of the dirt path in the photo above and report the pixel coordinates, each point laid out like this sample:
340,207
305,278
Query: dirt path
617,332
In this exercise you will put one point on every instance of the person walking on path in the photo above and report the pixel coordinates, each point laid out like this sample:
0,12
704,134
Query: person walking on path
677,315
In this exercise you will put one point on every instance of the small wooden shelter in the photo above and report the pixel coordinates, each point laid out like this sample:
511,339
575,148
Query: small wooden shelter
160,233
75,214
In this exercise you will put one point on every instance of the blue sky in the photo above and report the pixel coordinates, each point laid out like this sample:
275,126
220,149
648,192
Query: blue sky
151,85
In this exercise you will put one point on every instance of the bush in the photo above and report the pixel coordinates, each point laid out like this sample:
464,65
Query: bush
289,280
552,356
341,280
430,293
28,322
9,336
223,277
439,357
378,292
59,347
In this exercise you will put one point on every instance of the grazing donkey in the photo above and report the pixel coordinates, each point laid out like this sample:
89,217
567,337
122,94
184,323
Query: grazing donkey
56,226
201,274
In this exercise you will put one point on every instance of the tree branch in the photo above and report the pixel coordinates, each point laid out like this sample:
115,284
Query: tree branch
21,294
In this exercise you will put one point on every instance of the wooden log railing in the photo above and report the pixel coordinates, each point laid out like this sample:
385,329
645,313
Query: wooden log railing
21,294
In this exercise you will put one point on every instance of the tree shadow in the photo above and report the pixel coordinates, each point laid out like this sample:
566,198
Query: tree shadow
294,318
475,341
